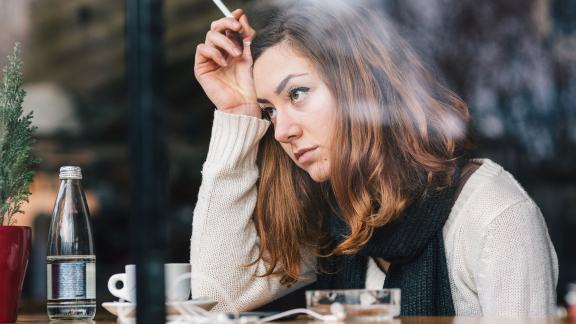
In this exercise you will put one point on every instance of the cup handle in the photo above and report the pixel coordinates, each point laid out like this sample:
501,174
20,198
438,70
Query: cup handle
120,293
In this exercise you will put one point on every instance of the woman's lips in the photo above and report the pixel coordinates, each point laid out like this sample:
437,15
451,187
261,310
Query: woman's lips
304,155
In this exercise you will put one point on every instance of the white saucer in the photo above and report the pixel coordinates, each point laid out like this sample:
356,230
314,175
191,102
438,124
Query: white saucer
128,309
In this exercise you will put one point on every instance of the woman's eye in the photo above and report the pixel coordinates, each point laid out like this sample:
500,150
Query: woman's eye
298,94
269,113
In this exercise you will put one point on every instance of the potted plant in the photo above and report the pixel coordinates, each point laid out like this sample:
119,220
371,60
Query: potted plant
17,164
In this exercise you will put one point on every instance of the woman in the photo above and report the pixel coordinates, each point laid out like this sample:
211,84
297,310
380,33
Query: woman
358,176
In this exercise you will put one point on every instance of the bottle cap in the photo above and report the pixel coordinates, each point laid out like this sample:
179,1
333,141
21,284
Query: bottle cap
70,172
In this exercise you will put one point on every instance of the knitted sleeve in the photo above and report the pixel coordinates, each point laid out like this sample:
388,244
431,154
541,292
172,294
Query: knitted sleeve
518,268
224,239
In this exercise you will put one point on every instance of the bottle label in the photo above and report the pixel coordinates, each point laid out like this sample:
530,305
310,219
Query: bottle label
71,280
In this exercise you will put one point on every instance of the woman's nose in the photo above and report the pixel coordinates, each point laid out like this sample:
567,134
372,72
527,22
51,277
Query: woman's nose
286,128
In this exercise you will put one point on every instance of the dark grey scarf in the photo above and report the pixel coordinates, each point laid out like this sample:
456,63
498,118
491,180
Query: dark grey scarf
414,246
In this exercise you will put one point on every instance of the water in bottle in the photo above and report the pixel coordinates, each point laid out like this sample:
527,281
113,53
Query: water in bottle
71,263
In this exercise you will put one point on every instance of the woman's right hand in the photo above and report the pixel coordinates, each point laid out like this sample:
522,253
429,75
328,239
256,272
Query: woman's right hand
224,68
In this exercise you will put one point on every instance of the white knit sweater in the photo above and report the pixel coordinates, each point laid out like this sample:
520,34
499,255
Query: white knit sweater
501,261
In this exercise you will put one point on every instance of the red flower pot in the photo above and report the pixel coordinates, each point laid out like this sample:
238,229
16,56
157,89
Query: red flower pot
14,251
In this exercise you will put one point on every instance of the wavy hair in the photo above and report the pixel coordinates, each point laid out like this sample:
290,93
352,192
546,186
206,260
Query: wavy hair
398,133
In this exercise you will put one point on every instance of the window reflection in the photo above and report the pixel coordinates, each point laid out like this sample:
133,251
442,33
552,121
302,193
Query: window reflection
514,62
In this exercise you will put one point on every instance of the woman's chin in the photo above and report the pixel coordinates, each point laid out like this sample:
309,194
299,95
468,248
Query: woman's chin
319,176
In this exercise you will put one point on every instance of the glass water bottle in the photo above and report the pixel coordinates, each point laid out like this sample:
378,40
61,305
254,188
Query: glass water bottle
71,263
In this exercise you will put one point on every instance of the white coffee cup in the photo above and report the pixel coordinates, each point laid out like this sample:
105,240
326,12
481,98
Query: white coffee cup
176,281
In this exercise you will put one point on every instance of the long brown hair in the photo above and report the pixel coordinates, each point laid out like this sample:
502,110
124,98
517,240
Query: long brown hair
398,133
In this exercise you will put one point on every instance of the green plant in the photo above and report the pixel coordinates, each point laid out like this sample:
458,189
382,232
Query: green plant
17,161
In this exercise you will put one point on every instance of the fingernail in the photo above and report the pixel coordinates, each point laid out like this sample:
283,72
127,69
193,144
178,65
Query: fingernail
237,52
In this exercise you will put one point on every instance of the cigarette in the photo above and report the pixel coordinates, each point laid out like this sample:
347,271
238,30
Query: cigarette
223,8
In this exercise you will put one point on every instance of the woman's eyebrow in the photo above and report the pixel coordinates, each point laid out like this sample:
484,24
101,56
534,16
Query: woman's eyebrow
281,86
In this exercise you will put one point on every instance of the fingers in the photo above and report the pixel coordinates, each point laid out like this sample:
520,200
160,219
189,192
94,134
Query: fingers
237,24
237,13
222,42
248,33
222,37
224,24
205,52
220,30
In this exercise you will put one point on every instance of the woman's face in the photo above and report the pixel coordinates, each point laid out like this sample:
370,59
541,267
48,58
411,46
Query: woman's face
300,106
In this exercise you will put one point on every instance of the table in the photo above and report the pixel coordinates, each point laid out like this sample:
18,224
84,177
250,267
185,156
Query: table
43,319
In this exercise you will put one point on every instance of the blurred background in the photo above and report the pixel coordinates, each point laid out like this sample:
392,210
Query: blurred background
513,61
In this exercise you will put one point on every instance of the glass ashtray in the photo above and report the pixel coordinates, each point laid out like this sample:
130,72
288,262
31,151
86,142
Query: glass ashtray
358,304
